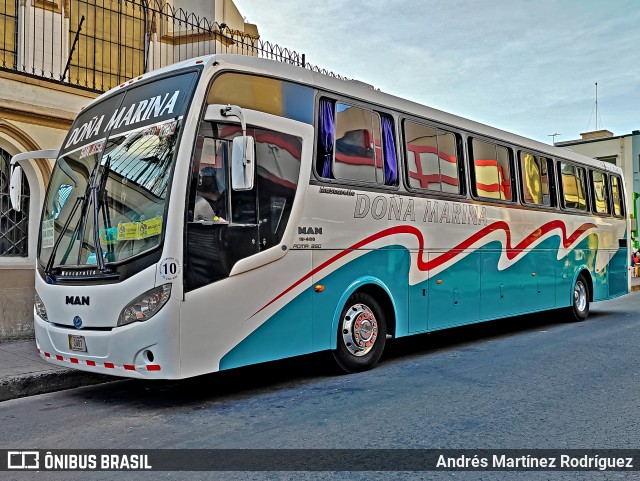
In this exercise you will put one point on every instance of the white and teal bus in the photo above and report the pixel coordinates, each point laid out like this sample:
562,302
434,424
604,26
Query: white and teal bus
230,210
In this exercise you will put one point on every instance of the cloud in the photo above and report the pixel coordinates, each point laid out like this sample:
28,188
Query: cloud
524,66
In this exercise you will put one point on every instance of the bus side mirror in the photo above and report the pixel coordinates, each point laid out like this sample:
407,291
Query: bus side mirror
15,188
242,163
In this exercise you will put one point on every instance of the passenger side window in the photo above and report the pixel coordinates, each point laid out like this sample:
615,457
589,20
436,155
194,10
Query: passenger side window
278,157
535,179
573,187
432,158
356,144
616,195
211,202
492,170
600,192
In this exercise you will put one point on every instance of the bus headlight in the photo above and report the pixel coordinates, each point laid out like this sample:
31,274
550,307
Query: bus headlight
40,309
144,307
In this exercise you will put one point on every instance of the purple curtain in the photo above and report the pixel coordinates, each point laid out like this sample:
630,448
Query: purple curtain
389,146
326,135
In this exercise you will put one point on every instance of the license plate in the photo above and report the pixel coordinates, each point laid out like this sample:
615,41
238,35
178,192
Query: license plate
77,343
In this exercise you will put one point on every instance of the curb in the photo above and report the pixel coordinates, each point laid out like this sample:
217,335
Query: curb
47,382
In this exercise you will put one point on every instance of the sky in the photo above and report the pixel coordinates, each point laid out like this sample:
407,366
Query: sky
528,67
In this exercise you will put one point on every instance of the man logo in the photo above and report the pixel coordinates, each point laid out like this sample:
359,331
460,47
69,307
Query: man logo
23,460
77,322
309,230
77,300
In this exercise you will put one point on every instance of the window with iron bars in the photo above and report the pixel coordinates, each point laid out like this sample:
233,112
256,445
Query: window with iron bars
14,226
8,33
111,42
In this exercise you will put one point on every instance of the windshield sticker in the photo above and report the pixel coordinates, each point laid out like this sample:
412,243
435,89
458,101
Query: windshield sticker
168,129
92,149
109,236
93,258
161,130
150,228
138,230
127,231
48,233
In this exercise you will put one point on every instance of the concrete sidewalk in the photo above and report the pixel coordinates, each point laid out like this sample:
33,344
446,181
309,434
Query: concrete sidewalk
23,373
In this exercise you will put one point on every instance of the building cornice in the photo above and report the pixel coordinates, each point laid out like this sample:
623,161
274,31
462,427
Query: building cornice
567,143
49,85
43,116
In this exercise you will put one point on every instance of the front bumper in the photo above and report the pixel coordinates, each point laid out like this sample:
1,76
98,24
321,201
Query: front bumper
143,350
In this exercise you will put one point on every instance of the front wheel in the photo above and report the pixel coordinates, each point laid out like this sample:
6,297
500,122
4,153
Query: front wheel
362,333
579,309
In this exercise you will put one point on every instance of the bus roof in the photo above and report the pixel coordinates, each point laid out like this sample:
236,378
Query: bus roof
365,92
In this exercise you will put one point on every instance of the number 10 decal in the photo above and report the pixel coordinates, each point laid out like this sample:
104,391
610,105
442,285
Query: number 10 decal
169,268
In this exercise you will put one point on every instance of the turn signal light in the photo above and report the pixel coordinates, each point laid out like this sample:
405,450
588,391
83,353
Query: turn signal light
40,309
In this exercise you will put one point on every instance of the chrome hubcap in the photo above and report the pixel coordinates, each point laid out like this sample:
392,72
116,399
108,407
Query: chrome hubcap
580,296
359,330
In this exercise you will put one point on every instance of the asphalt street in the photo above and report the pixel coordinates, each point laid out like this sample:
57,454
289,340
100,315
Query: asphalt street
524,382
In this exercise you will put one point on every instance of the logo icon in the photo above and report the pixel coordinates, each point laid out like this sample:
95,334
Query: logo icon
23,460
77,300
77,322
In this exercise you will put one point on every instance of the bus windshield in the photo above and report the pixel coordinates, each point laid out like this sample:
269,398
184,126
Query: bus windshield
108,191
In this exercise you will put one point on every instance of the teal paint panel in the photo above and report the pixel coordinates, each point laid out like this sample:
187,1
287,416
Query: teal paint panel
600,281
456,299
501,290
419,307
539,270
390,266
566,275
306,324
618,272
582,257
286,334
601,285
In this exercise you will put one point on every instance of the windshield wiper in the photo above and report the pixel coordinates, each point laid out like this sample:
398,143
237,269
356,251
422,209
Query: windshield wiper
98,193
47,269
80,225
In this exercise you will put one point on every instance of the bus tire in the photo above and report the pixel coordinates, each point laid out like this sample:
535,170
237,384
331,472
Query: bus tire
579,309
362,333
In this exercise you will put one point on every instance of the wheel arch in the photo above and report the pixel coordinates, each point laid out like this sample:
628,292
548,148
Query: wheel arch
587,276
374,287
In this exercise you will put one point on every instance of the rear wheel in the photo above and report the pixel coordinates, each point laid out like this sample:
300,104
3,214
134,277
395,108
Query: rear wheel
362,333
579,310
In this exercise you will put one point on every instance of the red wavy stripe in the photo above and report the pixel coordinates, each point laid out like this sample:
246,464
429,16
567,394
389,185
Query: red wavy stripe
489,187
486,162
427,149
423,265
510,251
433,179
